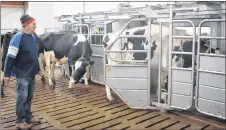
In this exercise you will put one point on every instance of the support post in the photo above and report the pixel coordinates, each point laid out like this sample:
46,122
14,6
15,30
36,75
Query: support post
149,62
170,53
160,62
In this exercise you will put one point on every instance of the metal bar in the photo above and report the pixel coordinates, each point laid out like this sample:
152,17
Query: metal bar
97,34
100,56
149,102
183,53
184,9
126,51
160,62
213,72
133,36
176,68
207,37
80,23
170,56
123,30
94,45
187,37
104,13
124,65
212,55
133,61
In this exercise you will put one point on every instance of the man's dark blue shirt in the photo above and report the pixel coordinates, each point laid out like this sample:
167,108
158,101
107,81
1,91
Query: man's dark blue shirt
22,56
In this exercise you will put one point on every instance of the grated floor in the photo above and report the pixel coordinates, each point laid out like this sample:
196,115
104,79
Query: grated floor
88,108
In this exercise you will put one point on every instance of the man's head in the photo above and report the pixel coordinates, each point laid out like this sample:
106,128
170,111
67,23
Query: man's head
28,23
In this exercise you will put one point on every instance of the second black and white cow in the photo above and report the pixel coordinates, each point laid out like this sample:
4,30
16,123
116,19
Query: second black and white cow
66,47
5,40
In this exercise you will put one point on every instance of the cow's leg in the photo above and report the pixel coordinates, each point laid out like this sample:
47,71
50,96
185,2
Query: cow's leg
108,92
52,74
72,81
48,67
86,76
41,64
2,85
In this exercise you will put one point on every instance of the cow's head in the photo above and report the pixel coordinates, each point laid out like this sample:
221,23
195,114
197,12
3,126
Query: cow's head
82,64
80,68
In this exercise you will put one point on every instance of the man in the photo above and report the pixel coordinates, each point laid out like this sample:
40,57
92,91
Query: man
22,58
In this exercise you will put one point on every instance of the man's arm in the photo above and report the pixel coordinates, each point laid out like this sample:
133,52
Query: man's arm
11,55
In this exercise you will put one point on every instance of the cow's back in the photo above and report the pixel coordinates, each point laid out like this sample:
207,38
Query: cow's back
62,43
5,46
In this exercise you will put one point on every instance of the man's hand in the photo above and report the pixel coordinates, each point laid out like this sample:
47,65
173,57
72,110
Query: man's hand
6,81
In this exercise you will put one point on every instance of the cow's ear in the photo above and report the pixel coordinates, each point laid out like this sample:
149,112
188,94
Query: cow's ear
91,63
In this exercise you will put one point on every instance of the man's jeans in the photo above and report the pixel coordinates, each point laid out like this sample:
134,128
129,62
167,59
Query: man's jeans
24,94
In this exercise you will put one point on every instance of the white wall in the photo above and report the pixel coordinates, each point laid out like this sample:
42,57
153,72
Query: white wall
10,17
43,12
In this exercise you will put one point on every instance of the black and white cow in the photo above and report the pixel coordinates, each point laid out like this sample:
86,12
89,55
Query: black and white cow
66,47
5,40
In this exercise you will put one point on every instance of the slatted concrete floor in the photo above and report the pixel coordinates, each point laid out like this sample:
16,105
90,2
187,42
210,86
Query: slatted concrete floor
88,108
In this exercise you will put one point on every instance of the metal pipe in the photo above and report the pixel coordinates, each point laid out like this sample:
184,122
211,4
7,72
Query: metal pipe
185,53
100,56
104,13
176,68
180,37
208,37
96,34
80,20
133,36
149,101
212,55
212,72
170,54
133,61
184,9
94,45
124,65
126,51
160,62
123,30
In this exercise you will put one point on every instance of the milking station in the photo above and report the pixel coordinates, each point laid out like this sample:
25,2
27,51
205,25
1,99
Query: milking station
143,97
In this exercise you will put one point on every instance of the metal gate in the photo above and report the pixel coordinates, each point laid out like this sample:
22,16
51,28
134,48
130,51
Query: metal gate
97,70
130,81
210,92
181,81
